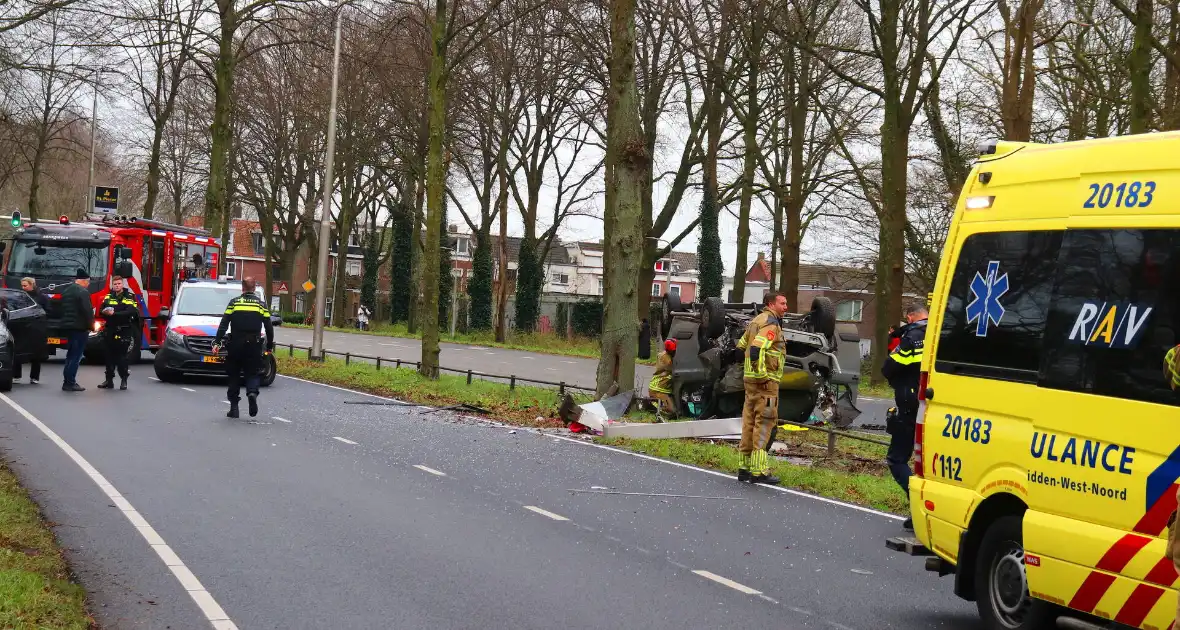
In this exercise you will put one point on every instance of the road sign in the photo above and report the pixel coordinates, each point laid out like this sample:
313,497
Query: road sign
308,286
279,287
106,199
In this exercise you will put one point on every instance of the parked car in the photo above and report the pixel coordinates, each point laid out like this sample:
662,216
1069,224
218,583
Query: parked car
22,332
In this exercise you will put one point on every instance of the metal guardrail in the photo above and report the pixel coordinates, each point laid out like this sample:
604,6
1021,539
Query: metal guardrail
471,375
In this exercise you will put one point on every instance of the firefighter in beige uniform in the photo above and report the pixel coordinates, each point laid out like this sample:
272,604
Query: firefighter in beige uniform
660,387
762,346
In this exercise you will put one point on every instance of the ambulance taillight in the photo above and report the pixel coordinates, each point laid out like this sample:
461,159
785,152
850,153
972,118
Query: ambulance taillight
920,426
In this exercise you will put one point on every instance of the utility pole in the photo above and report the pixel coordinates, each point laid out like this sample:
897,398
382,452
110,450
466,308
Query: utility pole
88,202
317,336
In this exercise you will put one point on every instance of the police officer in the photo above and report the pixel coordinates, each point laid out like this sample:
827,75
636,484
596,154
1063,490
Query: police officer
902,368
762,348
660,386
246,316
120,310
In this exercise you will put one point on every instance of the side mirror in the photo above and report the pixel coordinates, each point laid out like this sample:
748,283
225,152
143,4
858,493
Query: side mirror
165,314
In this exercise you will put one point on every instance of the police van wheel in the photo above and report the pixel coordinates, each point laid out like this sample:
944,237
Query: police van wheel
269,371
167,376
1001,585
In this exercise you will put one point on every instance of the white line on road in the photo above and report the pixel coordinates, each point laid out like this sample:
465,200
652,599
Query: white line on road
154,379
340,439
281,419
227,402
556,517
727,582
430,470
213,612
188,389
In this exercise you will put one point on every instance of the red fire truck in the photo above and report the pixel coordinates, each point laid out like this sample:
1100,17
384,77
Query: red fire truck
158,255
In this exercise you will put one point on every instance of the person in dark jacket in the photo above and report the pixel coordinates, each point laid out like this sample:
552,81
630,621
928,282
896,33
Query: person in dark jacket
37,346
645,340
902,368
120,310
77,318
245,318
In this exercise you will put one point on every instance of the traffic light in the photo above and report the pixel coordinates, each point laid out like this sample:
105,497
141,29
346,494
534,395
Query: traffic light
15,218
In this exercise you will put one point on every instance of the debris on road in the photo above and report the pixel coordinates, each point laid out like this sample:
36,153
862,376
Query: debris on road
652,494
595,416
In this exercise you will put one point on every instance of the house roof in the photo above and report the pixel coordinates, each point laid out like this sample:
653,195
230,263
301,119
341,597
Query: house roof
833,277
557,254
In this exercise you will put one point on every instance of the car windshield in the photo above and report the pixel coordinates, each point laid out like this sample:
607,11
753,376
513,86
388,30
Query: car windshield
206,299
15,300
57,260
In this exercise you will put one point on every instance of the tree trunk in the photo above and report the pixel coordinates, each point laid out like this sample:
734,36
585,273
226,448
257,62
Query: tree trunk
628,162
1140,68
413,322
35,175
793,237
436,175
750,152
221,130
479,285
153,174
891,257
502,293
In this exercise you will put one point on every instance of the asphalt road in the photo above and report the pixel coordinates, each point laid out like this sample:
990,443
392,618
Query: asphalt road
545,367
327,514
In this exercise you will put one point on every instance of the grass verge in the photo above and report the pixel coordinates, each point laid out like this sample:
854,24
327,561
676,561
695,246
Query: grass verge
543,343
855,473
35,587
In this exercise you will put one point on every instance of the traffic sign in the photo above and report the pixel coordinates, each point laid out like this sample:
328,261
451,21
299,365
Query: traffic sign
308,286
106,199
279,287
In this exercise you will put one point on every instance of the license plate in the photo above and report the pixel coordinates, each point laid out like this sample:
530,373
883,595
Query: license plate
56,341
213,359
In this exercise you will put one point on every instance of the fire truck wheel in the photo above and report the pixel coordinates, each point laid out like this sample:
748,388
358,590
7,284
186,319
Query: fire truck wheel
1001,588
269,371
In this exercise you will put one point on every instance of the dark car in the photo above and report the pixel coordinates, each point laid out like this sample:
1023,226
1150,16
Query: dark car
22,332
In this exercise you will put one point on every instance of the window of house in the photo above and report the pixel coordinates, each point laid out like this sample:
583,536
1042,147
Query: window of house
676,290
655,289
1115,315
353,268
561,279
276,271
462,246
601,286
231,269
354,240
850,311
661,265
259,245
998,305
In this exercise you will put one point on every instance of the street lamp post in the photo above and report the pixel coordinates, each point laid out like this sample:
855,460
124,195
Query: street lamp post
317,336
456,273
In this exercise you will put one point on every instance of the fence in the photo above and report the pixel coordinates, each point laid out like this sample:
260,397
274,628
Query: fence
471,375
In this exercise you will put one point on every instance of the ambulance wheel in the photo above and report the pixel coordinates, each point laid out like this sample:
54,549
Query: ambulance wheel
269,371
1001,584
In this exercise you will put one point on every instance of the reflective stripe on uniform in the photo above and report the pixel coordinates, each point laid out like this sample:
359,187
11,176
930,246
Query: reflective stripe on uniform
1171,369
907,357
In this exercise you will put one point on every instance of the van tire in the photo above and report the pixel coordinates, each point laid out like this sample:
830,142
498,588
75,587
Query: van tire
823,317
1001,588
713,317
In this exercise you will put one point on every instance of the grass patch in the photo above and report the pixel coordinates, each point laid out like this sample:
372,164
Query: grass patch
522,406
35,587
847,476
543,343
866,386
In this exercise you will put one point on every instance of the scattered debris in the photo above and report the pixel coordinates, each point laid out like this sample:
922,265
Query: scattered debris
381,403
595,416
512,432
652,494
462,407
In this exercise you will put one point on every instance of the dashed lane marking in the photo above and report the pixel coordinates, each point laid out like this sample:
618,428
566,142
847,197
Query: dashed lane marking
213,611
188,389
346,441
155,379
545,513
727,582
430,470
281,419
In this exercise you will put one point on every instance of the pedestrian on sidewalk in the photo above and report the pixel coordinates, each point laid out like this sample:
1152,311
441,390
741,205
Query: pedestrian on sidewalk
38,345
77,319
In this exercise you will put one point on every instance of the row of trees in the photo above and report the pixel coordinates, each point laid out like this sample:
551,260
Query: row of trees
843,126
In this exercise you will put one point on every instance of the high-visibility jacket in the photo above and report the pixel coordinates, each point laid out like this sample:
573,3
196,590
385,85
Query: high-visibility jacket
762,346
1172,368
661,381
125,313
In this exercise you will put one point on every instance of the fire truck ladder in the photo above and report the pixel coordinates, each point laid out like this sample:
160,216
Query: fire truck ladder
124,221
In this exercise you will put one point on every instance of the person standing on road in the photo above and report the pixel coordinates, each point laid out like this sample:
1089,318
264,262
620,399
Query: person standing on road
77,318
29,286
762,347
660,387
120,310
902,368
245,317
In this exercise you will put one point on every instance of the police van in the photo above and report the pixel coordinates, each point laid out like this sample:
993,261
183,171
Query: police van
1048,445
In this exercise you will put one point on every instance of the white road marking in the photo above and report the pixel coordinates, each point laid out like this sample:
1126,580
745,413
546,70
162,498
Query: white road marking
430,470
154,379
281,419
188,389
340,439
556,517
227,402
528,358
213,612
727,582
715,473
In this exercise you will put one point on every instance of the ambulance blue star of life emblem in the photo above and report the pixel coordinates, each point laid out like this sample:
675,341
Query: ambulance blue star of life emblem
985,308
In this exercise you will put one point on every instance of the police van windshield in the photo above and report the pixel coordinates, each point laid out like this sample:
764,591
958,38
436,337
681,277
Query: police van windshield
211,300
57,260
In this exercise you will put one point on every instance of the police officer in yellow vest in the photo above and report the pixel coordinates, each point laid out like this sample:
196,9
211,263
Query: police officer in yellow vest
120,311
660,387
762,346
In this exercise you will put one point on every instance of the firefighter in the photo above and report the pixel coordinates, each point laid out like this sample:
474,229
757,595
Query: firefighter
902,368
660,387
120,311
761,346
246,316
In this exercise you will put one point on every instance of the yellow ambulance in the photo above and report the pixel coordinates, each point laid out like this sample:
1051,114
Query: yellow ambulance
1048,443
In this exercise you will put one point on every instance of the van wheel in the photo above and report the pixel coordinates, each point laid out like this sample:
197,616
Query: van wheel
270,369
1001,585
